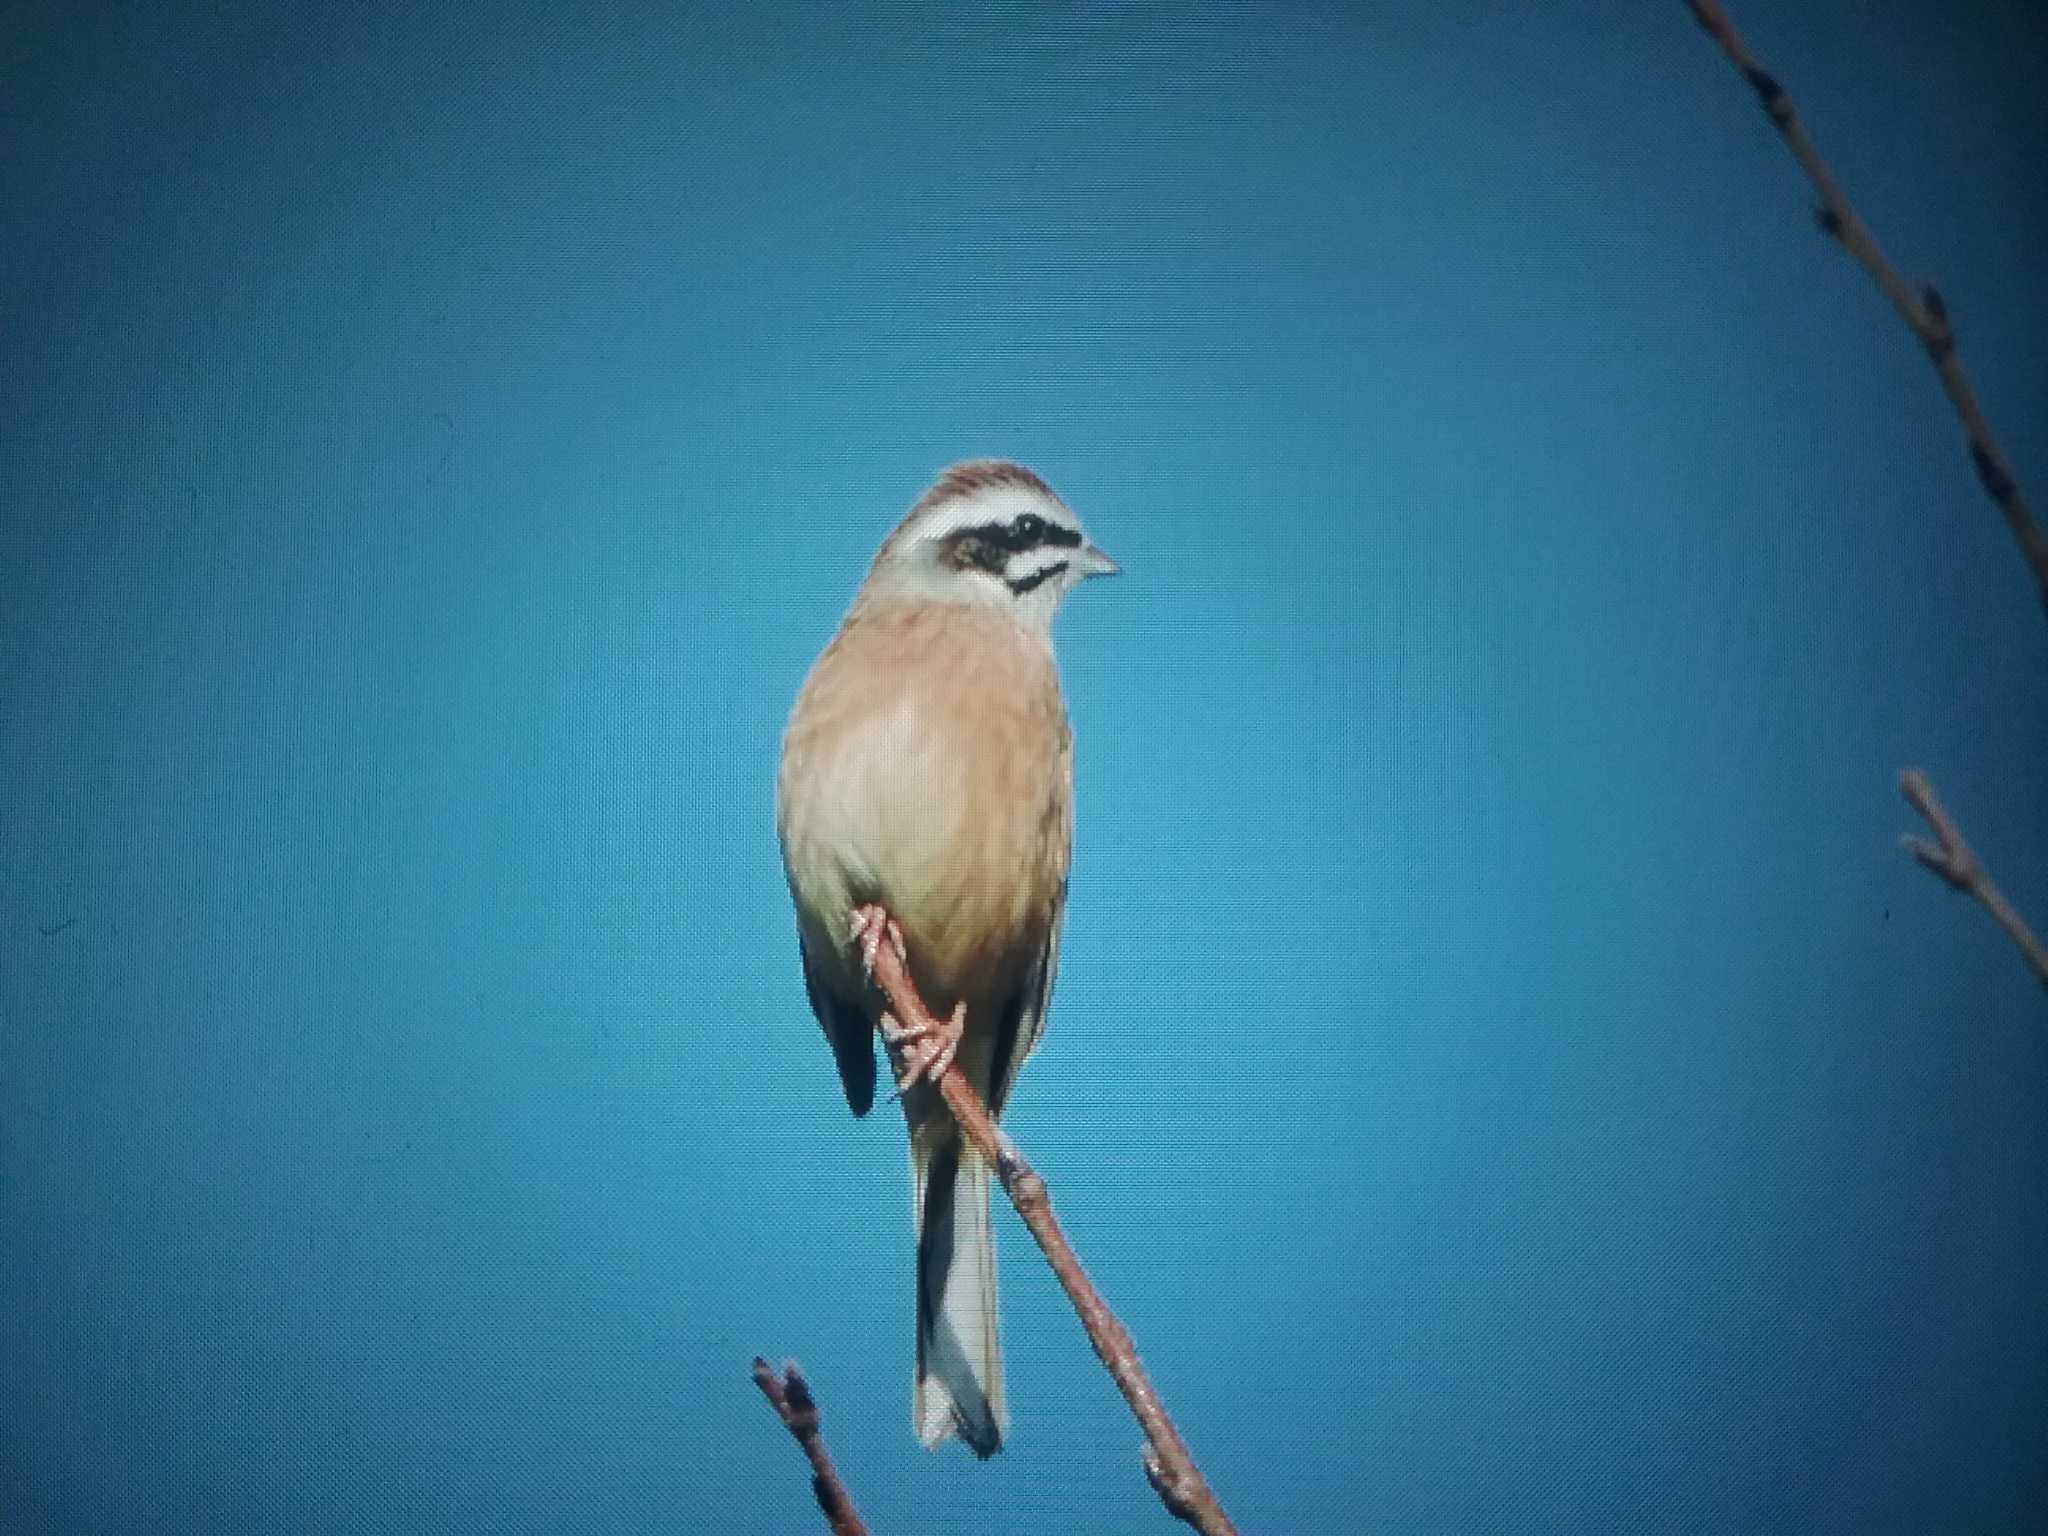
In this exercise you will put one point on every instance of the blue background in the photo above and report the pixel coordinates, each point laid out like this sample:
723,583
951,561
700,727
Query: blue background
1503,1069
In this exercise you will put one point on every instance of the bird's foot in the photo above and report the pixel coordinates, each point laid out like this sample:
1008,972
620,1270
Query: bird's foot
870,924
926,1050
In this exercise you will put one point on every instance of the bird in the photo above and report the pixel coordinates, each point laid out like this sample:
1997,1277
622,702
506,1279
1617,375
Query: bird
927,769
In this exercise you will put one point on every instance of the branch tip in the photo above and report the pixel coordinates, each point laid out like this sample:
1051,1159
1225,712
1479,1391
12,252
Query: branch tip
1924,312
790,1396
1952,859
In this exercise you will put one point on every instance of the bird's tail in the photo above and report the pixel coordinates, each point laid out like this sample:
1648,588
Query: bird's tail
959,1387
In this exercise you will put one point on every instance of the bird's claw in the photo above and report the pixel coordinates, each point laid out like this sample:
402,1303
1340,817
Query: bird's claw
930,1061
924,1051
870,923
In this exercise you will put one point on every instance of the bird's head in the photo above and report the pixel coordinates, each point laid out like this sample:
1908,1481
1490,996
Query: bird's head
992,534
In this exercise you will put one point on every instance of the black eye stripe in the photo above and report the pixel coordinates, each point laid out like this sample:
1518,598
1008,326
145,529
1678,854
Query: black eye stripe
1027,532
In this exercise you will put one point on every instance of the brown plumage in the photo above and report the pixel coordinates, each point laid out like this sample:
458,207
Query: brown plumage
928,768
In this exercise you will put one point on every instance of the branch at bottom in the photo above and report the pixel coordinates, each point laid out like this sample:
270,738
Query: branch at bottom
790,1396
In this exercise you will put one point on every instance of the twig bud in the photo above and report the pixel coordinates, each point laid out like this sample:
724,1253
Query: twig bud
1997,483
1770,93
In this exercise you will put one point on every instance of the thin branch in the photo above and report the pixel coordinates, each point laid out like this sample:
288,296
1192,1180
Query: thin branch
790,1396
1956,862
1168,1464
1924,312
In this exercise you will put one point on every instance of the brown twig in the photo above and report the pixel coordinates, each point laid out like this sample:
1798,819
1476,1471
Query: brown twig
1168,1464
790,1396
1924,312
1956,863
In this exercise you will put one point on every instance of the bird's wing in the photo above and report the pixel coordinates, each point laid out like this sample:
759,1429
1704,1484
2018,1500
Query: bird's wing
1024,1017
846,1024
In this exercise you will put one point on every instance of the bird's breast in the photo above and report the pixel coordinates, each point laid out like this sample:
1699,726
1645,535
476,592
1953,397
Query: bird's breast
928,767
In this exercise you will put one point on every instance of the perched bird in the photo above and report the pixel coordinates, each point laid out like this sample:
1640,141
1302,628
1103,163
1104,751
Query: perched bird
928,768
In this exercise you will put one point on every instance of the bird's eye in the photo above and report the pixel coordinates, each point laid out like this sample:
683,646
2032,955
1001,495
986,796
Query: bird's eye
1030,527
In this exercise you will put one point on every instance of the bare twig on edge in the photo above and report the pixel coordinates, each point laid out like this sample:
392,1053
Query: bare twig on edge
1956,863
1924,312
1168,1464
790,1396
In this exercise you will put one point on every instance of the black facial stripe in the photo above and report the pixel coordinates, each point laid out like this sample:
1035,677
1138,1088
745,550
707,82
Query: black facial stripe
1037,578
1008,536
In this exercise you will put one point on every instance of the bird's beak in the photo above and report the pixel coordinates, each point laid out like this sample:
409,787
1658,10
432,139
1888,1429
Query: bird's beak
1090,561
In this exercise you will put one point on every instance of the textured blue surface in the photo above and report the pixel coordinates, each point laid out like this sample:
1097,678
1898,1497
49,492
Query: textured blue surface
1503,1071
